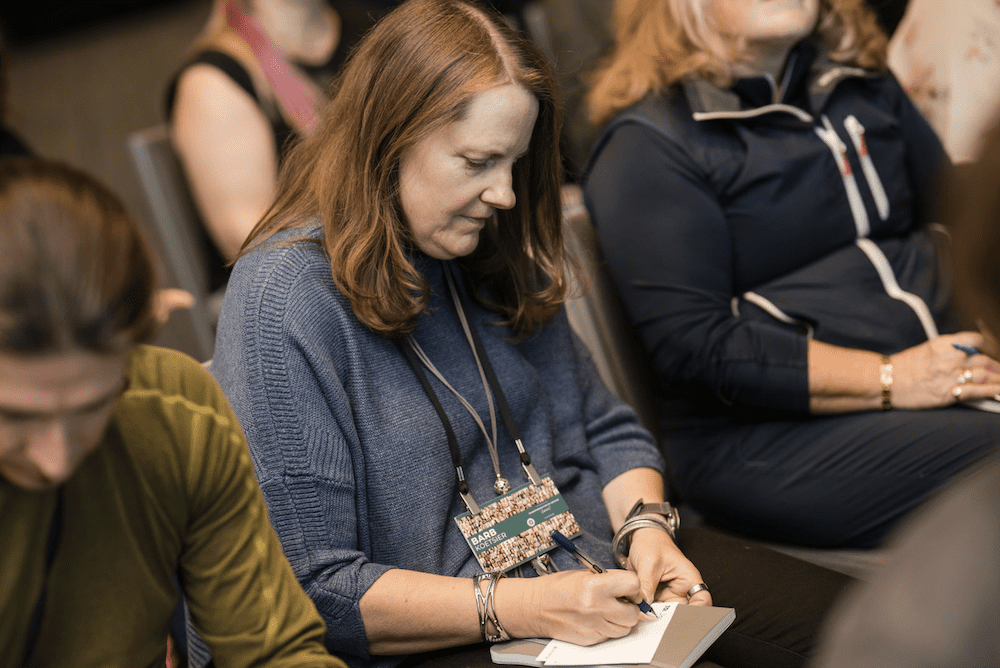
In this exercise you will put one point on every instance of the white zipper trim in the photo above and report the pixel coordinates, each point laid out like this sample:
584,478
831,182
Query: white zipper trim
839,72
857,134
777,313
753,113
839,150
884,269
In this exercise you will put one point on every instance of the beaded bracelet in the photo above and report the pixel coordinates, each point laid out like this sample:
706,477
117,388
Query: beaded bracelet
885,375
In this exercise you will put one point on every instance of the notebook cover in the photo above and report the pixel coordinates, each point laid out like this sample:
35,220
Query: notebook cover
692,629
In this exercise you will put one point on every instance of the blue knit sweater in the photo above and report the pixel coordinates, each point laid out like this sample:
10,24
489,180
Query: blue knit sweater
350,454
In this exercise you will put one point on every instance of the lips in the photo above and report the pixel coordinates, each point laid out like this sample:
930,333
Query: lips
483,218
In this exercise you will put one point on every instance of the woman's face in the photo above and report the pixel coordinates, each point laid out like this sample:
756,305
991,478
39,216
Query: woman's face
763,23
53,413
453,180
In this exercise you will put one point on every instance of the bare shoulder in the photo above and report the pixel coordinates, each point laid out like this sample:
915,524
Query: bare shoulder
206,92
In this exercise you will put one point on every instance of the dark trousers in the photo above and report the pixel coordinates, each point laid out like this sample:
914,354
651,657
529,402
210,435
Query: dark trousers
842,480
781,604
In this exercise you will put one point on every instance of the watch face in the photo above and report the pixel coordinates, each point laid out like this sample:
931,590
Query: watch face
672,518
667,511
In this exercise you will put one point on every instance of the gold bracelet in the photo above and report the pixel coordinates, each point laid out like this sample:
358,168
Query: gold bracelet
885,374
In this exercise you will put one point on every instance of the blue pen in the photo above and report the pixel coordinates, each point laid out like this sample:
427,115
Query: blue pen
584,558
968,350
588,562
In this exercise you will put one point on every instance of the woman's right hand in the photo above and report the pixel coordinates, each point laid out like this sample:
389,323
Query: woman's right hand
577,606
927,375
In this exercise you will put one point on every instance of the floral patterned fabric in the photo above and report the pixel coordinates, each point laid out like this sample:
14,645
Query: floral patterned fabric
947,56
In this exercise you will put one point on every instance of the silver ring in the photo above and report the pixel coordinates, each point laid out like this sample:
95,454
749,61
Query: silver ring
957,392
965,377
701,586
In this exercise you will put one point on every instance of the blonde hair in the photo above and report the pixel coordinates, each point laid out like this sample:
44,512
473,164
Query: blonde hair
661,42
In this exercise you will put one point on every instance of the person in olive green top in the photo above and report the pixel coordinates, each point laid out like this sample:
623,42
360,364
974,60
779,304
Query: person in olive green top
121,465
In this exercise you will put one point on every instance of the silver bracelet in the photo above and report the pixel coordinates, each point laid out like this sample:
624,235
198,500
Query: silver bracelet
622,542
481,601
491,612
486,607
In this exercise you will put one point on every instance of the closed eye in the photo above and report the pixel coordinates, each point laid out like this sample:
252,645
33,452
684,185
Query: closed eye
15,417
477,165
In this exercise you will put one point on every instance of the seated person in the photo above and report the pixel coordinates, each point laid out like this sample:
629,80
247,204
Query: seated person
121,465
407,250
761,193
260,71
953,547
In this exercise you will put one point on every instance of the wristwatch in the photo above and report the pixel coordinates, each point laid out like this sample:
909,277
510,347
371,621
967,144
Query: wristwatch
669,513
662,516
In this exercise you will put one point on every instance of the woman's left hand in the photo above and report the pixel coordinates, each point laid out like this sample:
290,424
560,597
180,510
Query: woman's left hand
665,574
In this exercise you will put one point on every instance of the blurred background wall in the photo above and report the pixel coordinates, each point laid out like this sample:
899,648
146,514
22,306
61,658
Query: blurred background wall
83,75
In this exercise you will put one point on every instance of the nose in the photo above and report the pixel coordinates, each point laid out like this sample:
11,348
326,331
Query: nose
500,193
49,451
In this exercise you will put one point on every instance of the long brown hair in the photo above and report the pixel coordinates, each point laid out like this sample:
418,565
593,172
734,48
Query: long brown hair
76,274
660,42
415,72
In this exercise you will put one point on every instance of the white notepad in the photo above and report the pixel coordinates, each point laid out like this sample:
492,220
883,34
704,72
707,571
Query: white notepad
639,646
689,632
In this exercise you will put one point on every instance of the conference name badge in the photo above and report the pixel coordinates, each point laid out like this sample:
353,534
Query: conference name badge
517,527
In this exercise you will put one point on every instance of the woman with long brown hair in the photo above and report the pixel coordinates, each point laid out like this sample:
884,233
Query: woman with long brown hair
763,191
420,414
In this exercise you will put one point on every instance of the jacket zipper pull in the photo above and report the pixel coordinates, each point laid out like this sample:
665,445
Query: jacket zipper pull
857,134
839,151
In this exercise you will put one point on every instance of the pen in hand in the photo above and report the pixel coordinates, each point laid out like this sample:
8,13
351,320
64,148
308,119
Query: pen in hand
970,351
581,556
588,562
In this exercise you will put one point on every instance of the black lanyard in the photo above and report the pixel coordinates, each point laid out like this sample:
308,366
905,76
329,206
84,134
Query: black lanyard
505,412
456,454
51,547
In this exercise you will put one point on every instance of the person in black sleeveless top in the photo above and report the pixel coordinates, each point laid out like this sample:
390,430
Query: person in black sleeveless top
259,71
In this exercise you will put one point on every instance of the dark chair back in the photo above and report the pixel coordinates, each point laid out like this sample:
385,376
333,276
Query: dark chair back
180,237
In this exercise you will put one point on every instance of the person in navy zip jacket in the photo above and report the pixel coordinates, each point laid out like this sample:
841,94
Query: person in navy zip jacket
762,190
954,540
